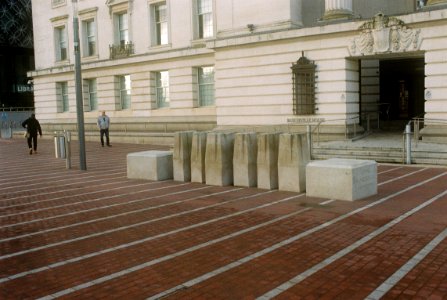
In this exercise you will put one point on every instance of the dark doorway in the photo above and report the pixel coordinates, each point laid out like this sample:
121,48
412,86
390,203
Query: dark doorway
402,89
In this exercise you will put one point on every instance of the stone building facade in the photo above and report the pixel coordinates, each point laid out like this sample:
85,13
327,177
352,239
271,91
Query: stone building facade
159,66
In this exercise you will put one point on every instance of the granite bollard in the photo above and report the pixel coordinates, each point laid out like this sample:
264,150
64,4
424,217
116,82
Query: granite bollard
198,149
151,165
182,155
245,159
293,157
219,158
267,160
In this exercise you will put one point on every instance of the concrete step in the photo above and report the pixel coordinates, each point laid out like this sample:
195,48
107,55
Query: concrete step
385,155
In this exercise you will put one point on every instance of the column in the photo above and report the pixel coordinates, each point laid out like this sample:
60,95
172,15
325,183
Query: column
337,9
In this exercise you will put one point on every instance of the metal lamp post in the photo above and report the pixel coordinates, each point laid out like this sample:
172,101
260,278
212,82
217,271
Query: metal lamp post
78,84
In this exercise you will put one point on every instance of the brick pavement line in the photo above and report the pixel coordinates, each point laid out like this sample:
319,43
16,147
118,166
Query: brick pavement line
327,202
53,192
90,201
123,214
317,267
188,250
301,235
113,230
391,281
390,170
161,235
21,183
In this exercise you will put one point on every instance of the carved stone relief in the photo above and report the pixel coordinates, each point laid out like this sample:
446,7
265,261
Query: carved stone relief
385,35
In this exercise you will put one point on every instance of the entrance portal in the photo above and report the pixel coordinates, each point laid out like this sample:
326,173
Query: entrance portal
402,89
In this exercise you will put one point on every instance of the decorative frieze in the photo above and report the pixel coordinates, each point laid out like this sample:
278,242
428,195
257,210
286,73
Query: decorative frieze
337,9
385,35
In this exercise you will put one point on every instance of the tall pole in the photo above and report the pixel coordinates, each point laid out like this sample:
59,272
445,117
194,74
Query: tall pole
78,84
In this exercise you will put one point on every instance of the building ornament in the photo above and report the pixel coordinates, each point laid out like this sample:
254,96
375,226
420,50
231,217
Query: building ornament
385,35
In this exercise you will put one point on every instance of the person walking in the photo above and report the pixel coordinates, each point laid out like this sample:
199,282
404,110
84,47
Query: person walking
103,124
32,128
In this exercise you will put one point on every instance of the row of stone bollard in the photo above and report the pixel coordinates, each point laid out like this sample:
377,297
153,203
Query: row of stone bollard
263,160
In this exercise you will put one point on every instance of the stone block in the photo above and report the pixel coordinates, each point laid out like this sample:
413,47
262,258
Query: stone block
182,155
293,156
267,160
219,158
151,165
198,148
244,159
341,179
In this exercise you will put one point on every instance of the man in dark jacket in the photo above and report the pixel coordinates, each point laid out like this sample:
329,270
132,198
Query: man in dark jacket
32,128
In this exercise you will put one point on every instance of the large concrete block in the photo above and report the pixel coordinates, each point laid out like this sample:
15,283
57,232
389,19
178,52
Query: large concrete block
182,155
245,159
292,160
267,160
341,179
198,148
219,158
152,165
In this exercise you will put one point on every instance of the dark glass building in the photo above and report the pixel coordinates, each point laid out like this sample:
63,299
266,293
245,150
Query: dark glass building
16,53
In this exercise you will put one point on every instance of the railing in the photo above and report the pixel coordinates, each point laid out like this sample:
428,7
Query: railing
346,122
418,123
122,50
11,119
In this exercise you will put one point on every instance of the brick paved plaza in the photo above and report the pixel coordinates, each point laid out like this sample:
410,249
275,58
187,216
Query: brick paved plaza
95,234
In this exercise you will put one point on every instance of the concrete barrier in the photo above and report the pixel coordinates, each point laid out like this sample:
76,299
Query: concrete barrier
245,159
198,149
151,165
182,155
293,156
219,158
341,179
267,160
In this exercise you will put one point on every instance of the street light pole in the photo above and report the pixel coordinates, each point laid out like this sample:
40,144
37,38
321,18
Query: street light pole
78,84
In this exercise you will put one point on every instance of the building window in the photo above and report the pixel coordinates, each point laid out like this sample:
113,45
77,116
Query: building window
160,23
123,29
303,87
125,91
206,86
92,94
205,18
89,27
61,43
62,96
162,88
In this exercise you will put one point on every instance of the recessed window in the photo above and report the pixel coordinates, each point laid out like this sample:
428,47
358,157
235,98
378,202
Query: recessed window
205,18
123,29
125,91
303,87
90,37
160,23
206,86
61,43
162,88
62,96
92,94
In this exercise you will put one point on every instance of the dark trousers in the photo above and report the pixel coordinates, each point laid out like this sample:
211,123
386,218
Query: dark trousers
106,133
32,141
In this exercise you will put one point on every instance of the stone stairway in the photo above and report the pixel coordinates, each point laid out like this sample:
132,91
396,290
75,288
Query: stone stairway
384,148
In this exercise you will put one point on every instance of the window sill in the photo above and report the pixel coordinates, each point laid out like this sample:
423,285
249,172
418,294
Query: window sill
201,43
157,48
90,58
62,62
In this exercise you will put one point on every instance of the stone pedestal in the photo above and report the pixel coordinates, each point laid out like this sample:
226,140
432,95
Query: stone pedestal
341,179
267,160
292,160
244,159
219,158
198,149
151,165
337,9
182,155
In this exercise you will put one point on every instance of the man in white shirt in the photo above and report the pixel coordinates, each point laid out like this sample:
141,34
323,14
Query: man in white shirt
103,124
